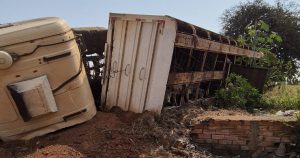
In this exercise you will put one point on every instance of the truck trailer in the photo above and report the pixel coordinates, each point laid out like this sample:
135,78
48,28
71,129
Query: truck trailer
152,61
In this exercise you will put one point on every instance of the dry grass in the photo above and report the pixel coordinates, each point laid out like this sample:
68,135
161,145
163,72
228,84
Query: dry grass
283,97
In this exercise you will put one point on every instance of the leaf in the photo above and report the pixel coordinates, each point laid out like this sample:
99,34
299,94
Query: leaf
264,50
252,33
261,39
264,26
250,27
241,39
276,37
273,35
270,40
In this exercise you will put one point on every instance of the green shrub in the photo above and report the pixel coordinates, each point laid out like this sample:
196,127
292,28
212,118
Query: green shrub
238,93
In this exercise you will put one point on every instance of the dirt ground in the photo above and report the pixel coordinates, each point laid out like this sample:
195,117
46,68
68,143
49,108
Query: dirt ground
122,134
103,136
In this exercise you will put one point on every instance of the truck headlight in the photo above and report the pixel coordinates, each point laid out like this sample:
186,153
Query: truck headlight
6,60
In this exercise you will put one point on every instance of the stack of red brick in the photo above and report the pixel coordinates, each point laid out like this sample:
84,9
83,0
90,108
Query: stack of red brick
248,135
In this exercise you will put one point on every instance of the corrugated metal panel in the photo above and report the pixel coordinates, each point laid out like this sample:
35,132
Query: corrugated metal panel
138,60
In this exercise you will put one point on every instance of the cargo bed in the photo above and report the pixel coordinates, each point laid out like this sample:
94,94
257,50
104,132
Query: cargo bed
151,61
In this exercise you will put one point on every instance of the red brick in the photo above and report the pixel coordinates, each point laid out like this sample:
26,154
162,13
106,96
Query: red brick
276,127
243,137
223,131
235,147
200,126
200,140
197,130
265,143
215,141
215,136
205,145
252,122
261,138
266,133
285,140
240,132
213,127
206,136
265,122
245,123
228,126
231,137
219,146
245,147
225,141
212,141
263,128
239,142
280,133
270,149
206,131
235,122
221,122
243,127
273,139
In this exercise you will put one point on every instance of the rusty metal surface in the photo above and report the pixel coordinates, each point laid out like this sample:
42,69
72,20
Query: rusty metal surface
187,41
186,78
200,63
94,39
256,76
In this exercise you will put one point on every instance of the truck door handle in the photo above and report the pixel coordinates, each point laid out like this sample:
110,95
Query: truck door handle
55,57
127,70
142,75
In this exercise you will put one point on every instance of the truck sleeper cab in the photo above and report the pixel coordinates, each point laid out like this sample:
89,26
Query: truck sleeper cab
43,85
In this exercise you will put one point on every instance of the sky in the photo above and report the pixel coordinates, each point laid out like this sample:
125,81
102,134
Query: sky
94,13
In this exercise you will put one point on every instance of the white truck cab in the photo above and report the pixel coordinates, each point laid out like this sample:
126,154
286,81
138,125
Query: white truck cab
43,85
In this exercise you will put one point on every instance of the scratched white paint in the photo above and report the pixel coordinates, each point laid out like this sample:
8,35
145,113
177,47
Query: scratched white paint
139,53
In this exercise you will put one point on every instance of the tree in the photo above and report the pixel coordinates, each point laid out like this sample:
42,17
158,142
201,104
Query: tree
259,37
283,18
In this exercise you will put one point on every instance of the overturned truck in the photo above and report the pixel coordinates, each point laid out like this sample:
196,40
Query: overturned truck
43,83
47,73
152,61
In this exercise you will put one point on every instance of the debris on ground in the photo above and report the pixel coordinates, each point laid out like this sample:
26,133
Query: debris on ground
103,136
57,151
171,132
287,113
117,134
124,134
